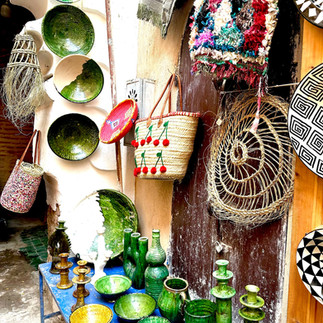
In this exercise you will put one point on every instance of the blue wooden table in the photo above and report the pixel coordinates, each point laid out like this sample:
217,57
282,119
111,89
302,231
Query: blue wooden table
64,298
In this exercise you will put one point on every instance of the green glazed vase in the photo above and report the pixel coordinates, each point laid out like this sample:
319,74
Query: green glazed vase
172,299
58,243
200,311
156,272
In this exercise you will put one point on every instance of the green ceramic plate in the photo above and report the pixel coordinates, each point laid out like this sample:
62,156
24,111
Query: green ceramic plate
73,136
133,307
108,208
67,30
78,78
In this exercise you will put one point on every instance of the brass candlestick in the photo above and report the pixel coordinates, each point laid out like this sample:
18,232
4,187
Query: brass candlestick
80,280
81,264
63,268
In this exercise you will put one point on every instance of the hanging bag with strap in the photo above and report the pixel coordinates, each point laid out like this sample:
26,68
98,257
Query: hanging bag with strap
164,143
21,188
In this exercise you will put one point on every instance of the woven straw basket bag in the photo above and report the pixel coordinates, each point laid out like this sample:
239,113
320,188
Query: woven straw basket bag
164,143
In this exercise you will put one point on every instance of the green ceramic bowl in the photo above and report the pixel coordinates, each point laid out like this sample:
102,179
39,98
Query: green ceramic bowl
78,78
112,287
67,30
133,307
73,136
154,319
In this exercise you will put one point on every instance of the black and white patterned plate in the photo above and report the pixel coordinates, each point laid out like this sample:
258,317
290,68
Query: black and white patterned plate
305,120
309,259
311,10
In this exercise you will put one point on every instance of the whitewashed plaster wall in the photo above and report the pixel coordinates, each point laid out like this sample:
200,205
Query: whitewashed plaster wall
68,182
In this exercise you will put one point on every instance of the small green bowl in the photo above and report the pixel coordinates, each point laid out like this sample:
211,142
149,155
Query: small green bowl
112,287
133,307
154,319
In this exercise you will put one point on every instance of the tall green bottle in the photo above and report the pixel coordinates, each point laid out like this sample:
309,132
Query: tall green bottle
58,243
156,272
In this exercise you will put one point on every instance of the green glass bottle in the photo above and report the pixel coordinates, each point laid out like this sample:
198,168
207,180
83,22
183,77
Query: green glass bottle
58,243
156,271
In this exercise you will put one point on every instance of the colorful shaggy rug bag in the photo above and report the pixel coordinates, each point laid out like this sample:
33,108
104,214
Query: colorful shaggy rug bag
232,38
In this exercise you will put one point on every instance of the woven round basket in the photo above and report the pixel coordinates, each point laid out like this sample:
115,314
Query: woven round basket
251,175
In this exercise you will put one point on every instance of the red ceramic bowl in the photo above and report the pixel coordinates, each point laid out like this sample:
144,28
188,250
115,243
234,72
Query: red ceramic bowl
119,121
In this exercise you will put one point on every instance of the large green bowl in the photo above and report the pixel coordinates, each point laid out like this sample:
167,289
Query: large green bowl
133,307
73,136
112,287
154,319
78,78
67,30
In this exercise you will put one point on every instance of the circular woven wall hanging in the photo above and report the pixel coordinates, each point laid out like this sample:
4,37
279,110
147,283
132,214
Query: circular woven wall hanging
251,175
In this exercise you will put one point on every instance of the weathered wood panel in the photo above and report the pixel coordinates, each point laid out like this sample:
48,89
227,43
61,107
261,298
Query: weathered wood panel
257,256
308,199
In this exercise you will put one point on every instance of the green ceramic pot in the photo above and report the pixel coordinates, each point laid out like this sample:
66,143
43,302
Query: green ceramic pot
154,319
200,311
133,307
112,287
172,299
67,30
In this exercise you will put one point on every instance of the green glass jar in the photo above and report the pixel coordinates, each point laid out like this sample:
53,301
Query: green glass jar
58,243
156,272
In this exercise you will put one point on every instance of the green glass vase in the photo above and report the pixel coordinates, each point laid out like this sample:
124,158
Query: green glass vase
156,272
58,243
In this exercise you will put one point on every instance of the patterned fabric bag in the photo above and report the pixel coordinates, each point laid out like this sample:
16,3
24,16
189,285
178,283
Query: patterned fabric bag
20,191
164,143
232,38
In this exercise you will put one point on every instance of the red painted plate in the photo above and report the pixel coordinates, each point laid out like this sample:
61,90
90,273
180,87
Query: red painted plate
119,121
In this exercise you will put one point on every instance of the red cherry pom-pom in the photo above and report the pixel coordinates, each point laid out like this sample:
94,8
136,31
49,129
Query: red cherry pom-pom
156,142
135,172
133,142
138,170
153,170
166,142
145,170
142,142
163,169
149,139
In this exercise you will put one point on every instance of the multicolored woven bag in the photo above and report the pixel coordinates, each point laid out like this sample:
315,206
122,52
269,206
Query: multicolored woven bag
20,191
232,38
164,143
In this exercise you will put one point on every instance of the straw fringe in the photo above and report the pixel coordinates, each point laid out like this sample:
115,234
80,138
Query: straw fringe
251,176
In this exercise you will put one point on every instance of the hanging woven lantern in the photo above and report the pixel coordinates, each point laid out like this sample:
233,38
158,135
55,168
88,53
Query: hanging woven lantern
23,89
251,174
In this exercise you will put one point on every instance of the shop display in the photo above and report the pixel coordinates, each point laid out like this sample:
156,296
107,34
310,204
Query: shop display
200,311
20,190
232,39
80,282
251,174
111,287
119,121
252,303
156,272
64,267
22,87
73,136
78,78
92,313
222,292
164,143
133,307
134,258
108,208
58,243
305,123
311,10
172,299
77,36
309,260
